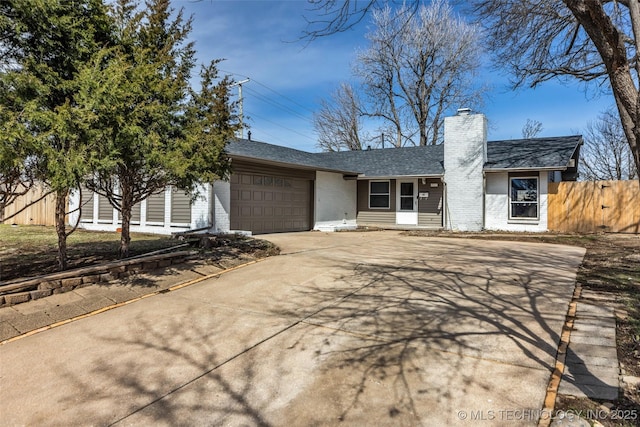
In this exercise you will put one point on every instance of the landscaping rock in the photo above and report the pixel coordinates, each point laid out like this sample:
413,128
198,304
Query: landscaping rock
17,298
134,268
91,279
53,284
149,266
71,283
40,293
66,281
63,289
164,263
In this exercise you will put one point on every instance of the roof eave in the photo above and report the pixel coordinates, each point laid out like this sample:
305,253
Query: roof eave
546,168
368,177
289,164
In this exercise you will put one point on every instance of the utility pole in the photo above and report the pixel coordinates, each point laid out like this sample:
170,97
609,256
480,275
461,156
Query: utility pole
240,101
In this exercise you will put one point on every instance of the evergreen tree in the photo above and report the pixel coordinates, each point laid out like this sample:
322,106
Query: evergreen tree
153,129
44,45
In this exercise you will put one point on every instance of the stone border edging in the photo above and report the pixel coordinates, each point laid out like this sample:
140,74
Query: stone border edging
123,303
561,356
23,290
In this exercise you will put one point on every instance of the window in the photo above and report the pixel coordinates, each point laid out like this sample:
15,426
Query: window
379,194
524,198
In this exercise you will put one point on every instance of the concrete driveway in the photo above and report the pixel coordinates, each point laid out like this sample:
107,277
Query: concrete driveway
344,328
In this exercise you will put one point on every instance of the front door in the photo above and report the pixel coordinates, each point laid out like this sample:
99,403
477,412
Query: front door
407,202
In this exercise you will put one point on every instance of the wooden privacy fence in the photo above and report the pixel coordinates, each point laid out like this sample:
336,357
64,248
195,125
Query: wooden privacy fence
39,213
594,206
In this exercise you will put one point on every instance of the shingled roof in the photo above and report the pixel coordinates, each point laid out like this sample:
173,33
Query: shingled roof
261,151
409,161
520,154
534,153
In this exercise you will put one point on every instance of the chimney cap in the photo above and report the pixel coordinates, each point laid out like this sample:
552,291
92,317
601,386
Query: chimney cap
464,111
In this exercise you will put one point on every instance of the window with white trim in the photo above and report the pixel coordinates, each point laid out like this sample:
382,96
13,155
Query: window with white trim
523,197
379,195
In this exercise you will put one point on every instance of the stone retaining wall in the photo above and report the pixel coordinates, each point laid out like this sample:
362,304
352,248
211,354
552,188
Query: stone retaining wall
23,290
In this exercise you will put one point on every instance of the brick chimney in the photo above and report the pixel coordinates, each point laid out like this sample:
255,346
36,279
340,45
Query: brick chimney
465,153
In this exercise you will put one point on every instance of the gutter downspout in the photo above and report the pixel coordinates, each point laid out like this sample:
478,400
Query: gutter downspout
445,200
212,206
484,200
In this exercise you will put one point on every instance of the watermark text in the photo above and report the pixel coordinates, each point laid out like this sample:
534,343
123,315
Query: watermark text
537,414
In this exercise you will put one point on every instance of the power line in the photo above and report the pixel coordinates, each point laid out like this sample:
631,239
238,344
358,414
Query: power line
270,89
267,99
284,96
272,137
279,125
276,104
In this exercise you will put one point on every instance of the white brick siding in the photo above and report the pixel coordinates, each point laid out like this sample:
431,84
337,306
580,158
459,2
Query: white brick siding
465,152
497,205
221,205
200,208
335,202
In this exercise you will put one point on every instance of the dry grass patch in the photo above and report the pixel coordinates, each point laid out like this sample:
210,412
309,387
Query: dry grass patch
27,251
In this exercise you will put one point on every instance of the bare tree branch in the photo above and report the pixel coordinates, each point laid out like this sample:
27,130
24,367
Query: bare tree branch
531,129
338,122
329,17
606,154
418,66
585,40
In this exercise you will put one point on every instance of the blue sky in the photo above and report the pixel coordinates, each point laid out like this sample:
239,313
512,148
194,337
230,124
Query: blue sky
258,40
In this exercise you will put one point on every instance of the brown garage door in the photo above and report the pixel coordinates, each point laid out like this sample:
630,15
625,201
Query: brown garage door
269,203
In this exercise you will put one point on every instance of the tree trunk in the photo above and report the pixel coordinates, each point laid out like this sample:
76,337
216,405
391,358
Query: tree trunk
61,228
398,135
125,236
635,150
610,44
631,130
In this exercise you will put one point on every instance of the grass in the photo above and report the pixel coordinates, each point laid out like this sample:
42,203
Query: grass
28,250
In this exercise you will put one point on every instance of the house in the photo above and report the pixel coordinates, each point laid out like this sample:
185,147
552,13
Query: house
465,184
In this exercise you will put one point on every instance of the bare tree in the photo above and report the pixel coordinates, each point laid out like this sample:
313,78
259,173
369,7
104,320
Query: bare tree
338,123
590,41
606,154
531,129
417,67
538,40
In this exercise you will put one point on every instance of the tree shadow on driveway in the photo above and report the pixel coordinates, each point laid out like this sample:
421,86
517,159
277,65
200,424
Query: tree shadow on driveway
167,373
383,339
437,335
